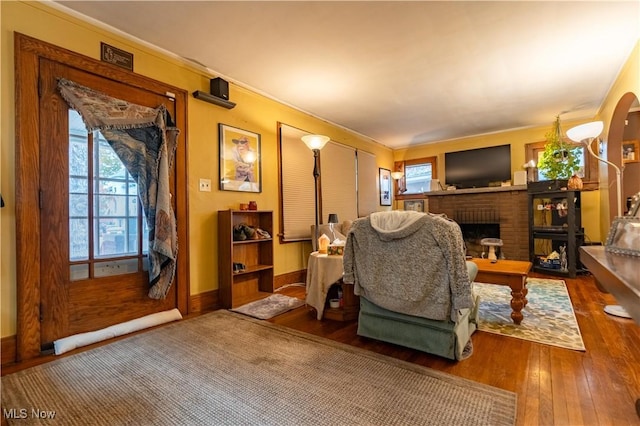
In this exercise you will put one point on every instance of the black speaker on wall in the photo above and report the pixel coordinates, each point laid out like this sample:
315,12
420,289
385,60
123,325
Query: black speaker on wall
220,88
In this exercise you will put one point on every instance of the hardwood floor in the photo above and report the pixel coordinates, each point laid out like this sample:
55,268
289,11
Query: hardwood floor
555,386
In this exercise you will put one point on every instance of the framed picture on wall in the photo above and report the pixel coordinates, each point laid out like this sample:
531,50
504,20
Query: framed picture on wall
415,205
630,152
240,160
385,186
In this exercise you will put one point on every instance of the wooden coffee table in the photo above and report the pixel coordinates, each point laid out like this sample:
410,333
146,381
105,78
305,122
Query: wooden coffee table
512,273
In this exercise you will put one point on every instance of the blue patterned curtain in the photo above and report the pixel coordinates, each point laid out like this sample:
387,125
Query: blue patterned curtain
145,141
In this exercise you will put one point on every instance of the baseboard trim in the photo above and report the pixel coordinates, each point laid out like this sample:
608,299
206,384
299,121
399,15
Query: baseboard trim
8,346
290,278
203,302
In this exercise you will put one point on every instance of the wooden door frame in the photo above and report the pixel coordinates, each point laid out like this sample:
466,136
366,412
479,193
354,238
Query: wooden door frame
28,52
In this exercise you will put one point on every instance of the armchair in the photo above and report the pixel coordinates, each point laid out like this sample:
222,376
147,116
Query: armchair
414,283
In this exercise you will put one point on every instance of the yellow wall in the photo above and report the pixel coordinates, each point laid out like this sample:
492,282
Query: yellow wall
253,112
628,82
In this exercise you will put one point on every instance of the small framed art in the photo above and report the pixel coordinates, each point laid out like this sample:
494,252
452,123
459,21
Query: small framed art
630,151
240,160
415,205
624,236
385,186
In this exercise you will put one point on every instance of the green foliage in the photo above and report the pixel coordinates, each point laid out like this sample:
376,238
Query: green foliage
560,160
109,163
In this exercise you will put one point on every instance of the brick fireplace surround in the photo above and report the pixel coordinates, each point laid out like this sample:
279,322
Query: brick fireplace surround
506,206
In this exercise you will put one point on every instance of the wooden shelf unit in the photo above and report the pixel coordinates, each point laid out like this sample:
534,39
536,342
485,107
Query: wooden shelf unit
547,225
204,96
256,281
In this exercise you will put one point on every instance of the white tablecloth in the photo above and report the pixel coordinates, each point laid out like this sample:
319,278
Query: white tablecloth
322,271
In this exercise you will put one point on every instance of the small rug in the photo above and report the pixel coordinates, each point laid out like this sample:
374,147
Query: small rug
548,317
224,368
269,307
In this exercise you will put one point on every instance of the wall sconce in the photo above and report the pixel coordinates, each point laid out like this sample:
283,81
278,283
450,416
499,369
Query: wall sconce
531,167
315,143
397,176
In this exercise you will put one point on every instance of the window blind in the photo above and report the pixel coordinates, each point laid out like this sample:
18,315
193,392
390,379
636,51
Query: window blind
338,180
298,200
348,182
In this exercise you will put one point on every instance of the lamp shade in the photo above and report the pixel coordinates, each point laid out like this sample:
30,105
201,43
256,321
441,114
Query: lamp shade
315,141
397,175
333,218
585,131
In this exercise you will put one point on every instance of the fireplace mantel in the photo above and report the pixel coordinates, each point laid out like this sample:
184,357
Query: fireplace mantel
506,204
478,190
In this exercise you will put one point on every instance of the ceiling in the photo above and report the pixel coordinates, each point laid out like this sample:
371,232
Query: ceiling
400,73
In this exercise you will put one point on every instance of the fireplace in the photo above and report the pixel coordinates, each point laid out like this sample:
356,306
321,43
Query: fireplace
473,233
505,207
476,224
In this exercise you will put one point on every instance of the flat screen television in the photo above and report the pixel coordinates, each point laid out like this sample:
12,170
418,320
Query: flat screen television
478,168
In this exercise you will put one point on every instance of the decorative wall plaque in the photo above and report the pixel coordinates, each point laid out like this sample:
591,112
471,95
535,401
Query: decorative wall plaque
116,56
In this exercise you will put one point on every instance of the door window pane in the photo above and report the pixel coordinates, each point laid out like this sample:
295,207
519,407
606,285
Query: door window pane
78,239
78,190
110,203
79,272
116,267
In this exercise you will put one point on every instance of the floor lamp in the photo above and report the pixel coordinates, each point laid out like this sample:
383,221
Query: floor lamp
315,143
586,134
397,176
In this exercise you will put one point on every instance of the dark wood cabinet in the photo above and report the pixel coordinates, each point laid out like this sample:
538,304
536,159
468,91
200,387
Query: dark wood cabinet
252,277
555,225
350,303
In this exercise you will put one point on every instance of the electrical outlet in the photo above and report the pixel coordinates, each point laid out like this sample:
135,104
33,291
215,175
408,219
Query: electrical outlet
205,185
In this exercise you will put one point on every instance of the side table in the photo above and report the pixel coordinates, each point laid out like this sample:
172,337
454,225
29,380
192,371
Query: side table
323,271
512,273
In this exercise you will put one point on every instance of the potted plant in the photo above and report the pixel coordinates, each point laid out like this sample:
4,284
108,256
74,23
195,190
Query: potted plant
560,160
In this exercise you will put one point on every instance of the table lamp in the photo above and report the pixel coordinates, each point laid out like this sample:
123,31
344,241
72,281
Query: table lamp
333,219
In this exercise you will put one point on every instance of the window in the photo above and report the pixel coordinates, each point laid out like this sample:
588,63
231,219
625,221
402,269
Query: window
338,181
588,165
343,190
105,217
417,177
417,174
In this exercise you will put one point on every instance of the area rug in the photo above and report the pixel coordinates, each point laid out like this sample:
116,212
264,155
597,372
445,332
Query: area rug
224,368
270,306
548,317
